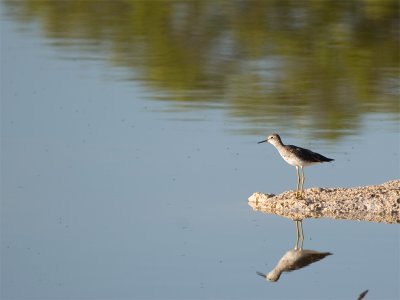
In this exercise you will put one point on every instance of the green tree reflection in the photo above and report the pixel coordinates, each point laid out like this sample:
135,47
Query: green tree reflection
316,64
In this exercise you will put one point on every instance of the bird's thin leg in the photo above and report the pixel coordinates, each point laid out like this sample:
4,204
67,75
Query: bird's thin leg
297,235
302,234
302,181
298,182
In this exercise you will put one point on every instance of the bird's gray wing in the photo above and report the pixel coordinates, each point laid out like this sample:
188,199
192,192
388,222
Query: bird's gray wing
307,155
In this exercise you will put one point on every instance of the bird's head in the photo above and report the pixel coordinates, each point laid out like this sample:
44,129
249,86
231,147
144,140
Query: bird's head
273,276
273,139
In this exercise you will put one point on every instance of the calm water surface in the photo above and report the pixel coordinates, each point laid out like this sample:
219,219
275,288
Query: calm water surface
129,147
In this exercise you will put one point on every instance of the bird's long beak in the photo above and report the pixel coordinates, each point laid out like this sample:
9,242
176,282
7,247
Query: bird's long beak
262,142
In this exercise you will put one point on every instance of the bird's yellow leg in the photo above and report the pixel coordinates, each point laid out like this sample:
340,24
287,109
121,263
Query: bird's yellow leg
302,234
298,183
302,182
297,235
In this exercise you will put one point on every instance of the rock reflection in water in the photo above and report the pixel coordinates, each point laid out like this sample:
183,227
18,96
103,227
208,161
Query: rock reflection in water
296,258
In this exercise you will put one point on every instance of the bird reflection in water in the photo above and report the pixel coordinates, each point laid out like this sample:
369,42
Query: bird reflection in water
295,259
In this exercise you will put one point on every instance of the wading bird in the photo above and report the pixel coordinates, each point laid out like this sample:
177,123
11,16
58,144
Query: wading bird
298,157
